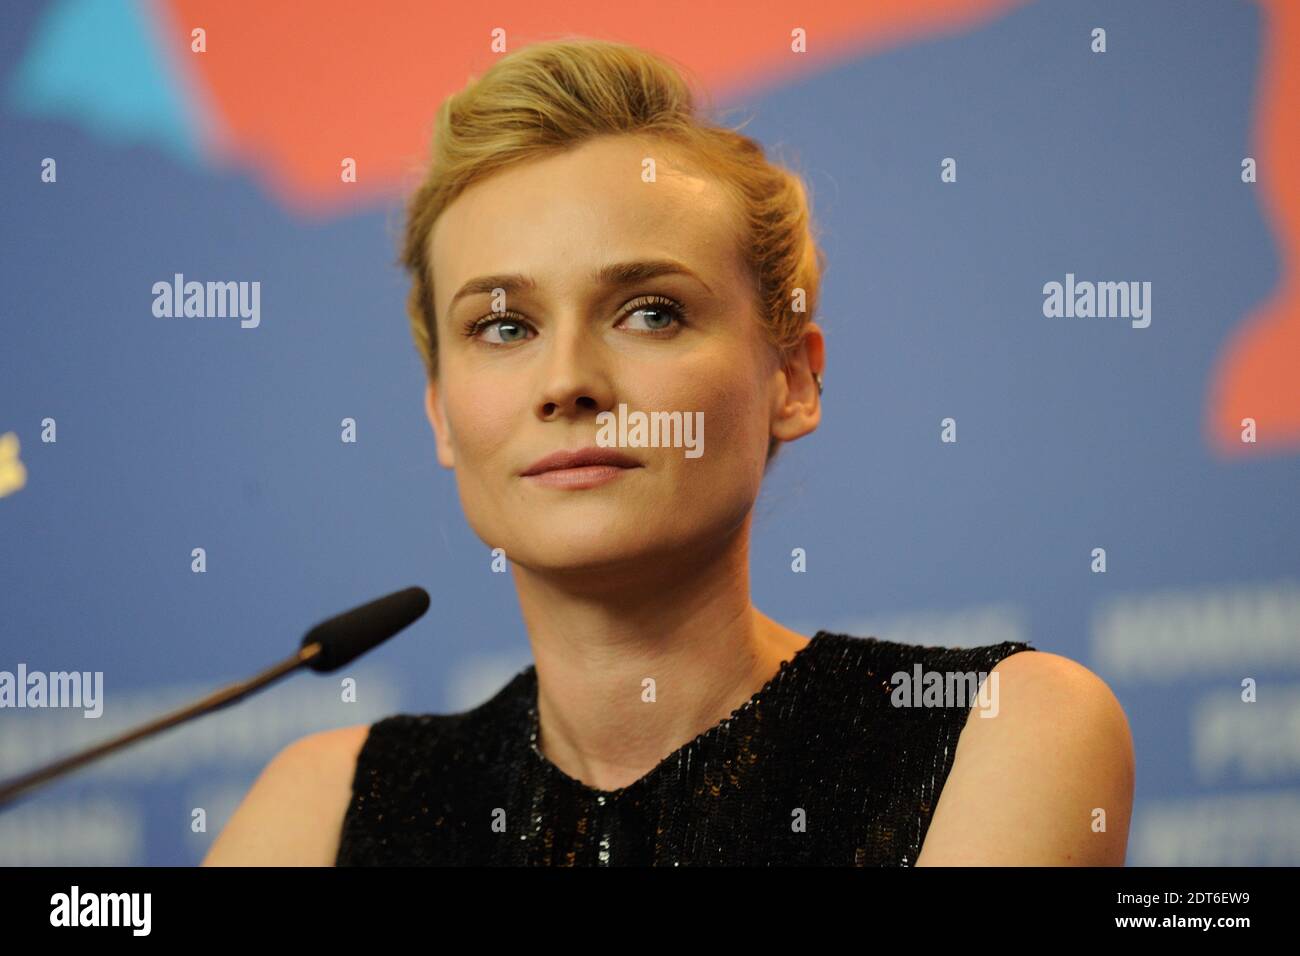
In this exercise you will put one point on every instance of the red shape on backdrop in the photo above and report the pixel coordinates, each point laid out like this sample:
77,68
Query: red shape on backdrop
294,88
290,90
1257,374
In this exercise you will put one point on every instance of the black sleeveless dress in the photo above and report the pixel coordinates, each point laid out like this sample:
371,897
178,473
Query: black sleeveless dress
819,767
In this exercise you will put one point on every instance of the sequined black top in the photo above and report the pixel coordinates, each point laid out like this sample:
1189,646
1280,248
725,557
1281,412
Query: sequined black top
822,766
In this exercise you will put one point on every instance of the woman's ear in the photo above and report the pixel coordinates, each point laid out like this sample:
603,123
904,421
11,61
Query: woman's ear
797,408
441,430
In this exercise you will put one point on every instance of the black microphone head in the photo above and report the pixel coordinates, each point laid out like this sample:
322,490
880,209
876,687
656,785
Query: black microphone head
347,636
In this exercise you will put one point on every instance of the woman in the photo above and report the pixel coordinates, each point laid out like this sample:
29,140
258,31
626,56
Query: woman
584,242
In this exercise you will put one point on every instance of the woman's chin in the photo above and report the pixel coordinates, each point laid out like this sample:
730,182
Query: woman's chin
570,549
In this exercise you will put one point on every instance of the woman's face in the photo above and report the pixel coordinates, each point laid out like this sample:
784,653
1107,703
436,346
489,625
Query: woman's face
566,337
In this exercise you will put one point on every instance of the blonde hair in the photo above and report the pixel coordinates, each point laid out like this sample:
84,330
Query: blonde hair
552,96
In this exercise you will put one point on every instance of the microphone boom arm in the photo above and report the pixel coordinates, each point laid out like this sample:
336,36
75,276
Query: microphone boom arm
214,701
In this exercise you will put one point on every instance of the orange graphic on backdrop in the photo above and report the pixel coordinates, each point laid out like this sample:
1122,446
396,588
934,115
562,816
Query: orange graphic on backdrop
291,90
1255,376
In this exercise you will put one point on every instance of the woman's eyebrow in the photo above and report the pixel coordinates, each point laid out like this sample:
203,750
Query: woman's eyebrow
625,273
614,274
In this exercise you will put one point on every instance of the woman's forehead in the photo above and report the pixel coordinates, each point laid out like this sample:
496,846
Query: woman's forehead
611,199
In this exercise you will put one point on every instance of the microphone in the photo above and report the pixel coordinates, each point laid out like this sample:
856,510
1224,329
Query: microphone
345,637
328,646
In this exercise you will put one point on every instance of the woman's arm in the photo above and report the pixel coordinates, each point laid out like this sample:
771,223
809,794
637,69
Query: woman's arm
293,814
1029,786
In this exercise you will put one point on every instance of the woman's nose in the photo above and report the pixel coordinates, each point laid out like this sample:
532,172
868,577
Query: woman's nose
575,377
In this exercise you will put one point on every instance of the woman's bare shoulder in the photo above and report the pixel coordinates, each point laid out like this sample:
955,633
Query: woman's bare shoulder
293,813
1047,782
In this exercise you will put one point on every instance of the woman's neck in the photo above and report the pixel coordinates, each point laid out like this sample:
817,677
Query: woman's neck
686,624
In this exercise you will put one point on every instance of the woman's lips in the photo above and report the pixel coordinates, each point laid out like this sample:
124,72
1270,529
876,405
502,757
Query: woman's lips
586,476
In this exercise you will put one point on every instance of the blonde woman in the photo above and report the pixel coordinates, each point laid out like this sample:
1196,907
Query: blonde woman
584,240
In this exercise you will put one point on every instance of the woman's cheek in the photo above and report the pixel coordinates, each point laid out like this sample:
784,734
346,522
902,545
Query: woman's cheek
483,423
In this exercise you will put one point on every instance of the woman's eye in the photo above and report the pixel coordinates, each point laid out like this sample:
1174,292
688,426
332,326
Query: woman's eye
655,315
508,331
661,315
